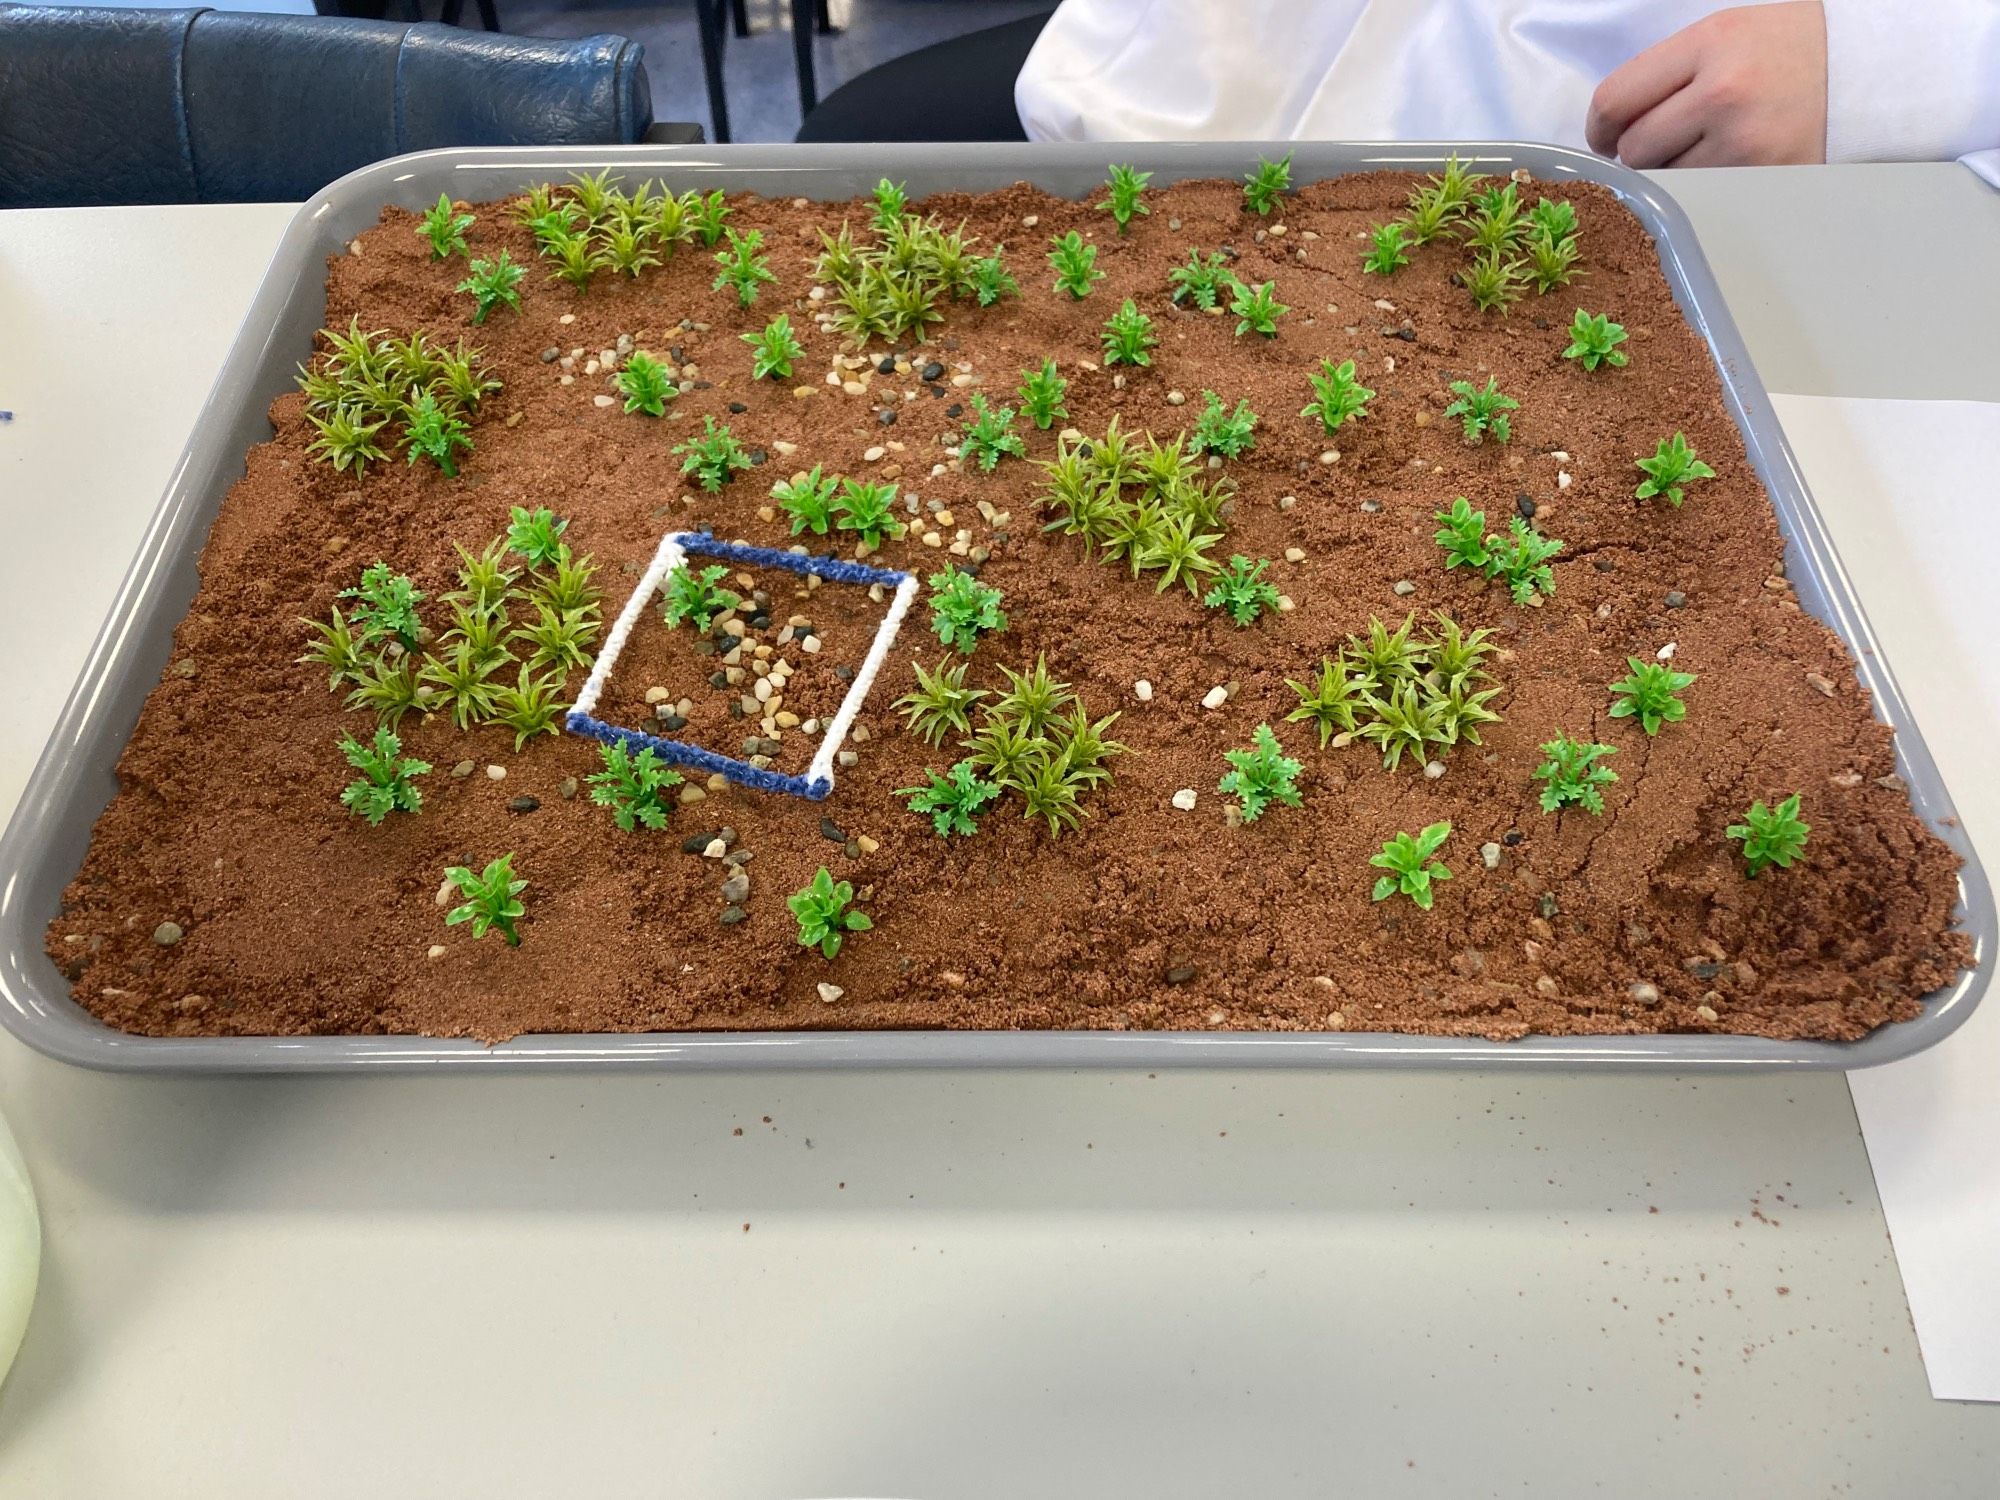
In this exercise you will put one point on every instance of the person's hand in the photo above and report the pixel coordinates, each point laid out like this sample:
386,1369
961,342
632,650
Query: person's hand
1743,87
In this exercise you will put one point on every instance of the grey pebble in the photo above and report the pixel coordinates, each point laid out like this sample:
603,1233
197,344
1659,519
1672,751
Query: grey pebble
566,789
1490,855
463,769
168,933
731,915
523,803
1644,993
1180,973
1404,588
736,888
694,843
1676,599
831,831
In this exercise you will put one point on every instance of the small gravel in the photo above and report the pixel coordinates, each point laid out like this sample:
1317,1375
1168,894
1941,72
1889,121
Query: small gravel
830,992
1404,588
1489,854
1215,697
523,804
496,773
1643,993
168,933
736,888
1184,799
463,769
1143,690
731,915
1676,599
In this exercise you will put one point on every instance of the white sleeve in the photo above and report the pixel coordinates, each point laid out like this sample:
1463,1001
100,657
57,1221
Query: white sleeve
1913,81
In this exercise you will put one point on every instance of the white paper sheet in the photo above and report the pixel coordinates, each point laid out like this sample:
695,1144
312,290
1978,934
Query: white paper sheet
1909,491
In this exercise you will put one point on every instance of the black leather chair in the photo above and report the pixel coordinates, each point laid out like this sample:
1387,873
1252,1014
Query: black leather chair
204,106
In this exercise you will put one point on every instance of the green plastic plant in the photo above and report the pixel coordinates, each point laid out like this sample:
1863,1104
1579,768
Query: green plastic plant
1453,654
1033,699
443,226
1771,835
1650,694
1084,747
1180,551
1429,214
483,628
1270,181
890,203
567,584
1594,340
336,649
461,679
384,785
645,384
705,214
1494,281
824,914
1551,263
535,534
628,247
558,638
435,432
1075,265
867,510
1496,221
1572,777
1218,430
575,254
1338,397
1388,247
634,787
1126,185
1482,412
1167,469
532,706
346,439
1261,775
744,267
492,900
989,435
1129,528
1461,710
594,192
808,500
697,596
1003,748
1202,278
386,606
1673,465
1384,658
1257,309
1128,337
990,280
1409,718
713,456
1412,870
1041,392
1521,560
963,609
1327,702
461,377
388,686
1552,220
953,801
1051,789
1462,534
493,283
941,703
1241,590
774,349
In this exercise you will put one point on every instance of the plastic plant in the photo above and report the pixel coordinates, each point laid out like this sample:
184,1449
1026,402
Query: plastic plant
1004,748
673,224
1241,591
990,280
1650,695
705,214
634,787
1462,534
743,266
1412,870
1129,530
389,688
336,649
1496,221
384,785
628,248
346,440
567,584
1482,412
953,801
1033,699
1167,468
1384,658
1051,789
867,510
1180,552
1494,281
558,638
941,703
774,349
463,378
645,385
1327,702
594,192
1552,220
386,606
1203,279
989,436
492,900
535,534
1084,747
1041,392
1572,778
435,432
1594,340
697,596
1672,466
576,256
1388,247
1551,263
1454,654
890,202
963,609
1075,265
1407,719
1270,181
1771,835
461,679
493,283
1128,337
824,914
1338,397
1429,215
1461,709
1217,430
531,707
1261,775
1257,309
443,226
1126,185
713,456
808,500
1521,560
483,628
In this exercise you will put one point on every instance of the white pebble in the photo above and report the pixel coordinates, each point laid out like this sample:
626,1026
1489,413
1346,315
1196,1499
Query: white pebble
873,454
715,850
1031,221
854,388
1143,690
830,992
1562,479
1489,855
809,645
437,950
604,400
1666,652
1215,697
1295,554
1184,799
1434,769
497,773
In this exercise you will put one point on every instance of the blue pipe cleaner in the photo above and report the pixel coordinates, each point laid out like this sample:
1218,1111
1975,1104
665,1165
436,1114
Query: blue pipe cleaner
676,752
832,569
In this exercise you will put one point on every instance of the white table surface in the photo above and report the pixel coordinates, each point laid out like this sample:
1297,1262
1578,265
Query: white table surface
945,1285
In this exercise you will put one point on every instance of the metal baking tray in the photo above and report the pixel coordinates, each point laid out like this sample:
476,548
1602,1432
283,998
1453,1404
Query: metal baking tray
76,777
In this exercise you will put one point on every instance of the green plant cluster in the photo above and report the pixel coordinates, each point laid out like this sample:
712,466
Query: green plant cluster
1510,245
593,224
1138,501
1261,775
1412,869
1401,692
712,457
1035,740
1127,186
1483,412
963,609
1571,775
634,787
1771,835
541,619
1650,694
1338,398
1267,183
492,899
818,502
442,227
1241,591
1222,431
1594,340
825,913
385,784
891,284
1671,467
989,436
1520,558
696,595
1042,392
368,393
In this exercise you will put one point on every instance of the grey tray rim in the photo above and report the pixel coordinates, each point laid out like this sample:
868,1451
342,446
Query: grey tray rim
75,777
